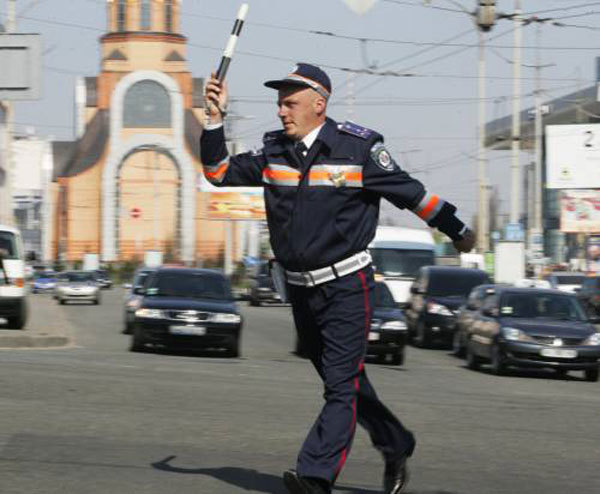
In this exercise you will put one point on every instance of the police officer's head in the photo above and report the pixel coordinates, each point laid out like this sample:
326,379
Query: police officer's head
302,102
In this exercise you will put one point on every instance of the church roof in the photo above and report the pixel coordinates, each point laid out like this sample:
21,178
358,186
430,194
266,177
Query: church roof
82,154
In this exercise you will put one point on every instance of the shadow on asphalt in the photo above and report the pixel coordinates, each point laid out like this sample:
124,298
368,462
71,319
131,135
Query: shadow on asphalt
253,480
531,374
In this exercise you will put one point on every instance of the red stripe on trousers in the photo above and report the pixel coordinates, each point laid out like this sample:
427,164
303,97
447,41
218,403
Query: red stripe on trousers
361,365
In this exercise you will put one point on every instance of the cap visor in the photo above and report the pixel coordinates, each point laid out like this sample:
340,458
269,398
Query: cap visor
278,84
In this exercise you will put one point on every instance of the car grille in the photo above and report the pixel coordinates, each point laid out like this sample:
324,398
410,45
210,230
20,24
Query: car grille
549,340
187,315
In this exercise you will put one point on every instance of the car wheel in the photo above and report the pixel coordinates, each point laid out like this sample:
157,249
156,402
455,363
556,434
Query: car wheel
97,301
398,357
497,364
473,360
591,375
18,322
127,328
137,342
561,373
458,349
61,301
233,349
423,337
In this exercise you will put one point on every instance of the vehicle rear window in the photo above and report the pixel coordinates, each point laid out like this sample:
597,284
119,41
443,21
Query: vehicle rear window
446,284
8,245
383,296
541,305
188,285
401,262
569,280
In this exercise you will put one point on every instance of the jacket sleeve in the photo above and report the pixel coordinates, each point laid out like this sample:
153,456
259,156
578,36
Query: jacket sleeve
383,176
221,170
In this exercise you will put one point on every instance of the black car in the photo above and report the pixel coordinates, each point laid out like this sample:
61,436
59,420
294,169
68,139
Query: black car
388,334
103,279
589,295
188,309
134,297
528,327
262,288
436,295
466,315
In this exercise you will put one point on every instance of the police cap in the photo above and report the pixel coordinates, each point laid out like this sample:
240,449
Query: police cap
306,75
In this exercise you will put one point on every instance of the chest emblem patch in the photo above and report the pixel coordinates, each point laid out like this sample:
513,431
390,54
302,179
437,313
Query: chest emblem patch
338,178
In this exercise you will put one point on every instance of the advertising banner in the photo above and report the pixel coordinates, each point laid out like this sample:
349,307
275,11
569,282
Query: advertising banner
236,206
580,211
573,156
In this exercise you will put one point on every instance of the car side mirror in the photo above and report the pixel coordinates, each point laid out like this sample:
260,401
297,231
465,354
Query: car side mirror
139,290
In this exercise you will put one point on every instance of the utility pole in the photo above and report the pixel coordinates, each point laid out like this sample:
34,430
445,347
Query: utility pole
485,18
6,204
537,209
516,117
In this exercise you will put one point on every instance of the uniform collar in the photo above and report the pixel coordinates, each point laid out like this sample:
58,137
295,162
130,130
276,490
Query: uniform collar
328,133
311,137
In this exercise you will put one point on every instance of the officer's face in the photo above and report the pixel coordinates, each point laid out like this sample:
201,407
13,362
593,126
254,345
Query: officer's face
300,110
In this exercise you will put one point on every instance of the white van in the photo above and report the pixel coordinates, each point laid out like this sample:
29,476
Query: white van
13,300
398,254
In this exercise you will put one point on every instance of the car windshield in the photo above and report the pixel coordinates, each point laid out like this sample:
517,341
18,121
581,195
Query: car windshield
141,278
569,280
45,275
401,262
78,277
383,296
455,283
8,245
189,285
541,306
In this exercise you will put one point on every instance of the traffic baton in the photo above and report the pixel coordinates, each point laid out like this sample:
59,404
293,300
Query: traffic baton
230,48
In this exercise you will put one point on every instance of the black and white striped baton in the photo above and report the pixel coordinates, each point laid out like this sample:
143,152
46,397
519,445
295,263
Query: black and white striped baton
230,48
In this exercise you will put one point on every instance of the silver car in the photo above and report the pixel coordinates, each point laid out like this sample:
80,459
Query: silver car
77,285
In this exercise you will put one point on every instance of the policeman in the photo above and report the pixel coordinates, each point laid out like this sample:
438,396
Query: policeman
323,183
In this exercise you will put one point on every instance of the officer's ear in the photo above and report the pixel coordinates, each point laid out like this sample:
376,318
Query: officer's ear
320,105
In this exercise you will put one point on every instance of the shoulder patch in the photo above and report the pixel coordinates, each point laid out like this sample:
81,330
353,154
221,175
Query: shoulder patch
382,158
272,136
356,130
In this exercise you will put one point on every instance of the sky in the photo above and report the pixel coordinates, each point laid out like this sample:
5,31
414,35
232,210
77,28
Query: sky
429,119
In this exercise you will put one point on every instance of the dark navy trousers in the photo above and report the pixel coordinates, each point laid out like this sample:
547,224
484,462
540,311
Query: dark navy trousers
333,321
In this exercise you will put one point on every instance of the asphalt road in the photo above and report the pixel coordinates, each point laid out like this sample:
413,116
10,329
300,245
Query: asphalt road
94,418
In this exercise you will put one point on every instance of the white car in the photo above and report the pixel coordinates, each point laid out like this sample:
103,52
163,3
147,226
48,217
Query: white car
566,281
13,293
77,285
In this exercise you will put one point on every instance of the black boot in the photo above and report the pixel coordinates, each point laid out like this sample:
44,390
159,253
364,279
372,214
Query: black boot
395,477
296,484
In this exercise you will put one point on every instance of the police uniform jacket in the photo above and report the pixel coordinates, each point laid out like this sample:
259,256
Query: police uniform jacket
324,207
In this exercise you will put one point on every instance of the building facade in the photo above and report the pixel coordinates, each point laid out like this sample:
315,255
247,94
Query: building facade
133,180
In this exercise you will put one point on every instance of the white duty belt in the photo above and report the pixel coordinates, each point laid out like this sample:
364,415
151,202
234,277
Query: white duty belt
323,275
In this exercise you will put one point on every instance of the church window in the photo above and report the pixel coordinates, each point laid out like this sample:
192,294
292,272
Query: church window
146,15
147,105
122,15
169,16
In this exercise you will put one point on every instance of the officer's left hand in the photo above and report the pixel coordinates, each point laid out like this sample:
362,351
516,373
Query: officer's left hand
466,243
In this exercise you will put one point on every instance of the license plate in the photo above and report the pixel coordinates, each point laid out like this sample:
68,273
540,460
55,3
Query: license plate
188,330
374,336
558,352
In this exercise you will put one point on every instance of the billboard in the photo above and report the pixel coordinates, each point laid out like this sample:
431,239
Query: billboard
580,211
236,206
21,66
573,156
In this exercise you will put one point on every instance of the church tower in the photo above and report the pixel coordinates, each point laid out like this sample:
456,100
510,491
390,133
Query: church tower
132,182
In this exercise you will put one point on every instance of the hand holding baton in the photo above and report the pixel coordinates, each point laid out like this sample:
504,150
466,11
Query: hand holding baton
226,61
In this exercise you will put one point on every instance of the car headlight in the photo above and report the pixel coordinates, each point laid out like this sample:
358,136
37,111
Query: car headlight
439,309
593,340
394,325
134,304
514,334
226,318
149,313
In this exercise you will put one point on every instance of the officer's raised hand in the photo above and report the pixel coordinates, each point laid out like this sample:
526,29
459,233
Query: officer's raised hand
466,243
217,97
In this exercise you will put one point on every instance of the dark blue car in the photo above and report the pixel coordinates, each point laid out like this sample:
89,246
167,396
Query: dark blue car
187,309
44,282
